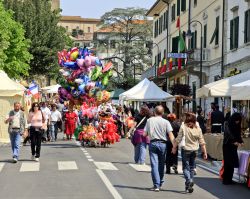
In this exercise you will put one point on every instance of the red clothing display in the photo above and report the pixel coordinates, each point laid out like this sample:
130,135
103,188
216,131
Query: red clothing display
70,123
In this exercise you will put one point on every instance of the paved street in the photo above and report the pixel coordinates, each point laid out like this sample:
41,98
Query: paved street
67,171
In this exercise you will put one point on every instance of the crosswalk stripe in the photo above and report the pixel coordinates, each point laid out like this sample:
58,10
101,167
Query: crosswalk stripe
90,160
141,168
67,165
105,166
1,166
30,166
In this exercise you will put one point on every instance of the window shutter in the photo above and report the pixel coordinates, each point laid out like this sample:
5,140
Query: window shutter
236,29
245,27
183,5
178,7
218,30
166,19
195,39
164,22
231,34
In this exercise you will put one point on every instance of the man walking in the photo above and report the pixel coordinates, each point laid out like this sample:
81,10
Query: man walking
55,117
217,120
157,129
17,126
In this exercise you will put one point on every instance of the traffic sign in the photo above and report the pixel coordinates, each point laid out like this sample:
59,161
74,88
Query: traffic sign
177,55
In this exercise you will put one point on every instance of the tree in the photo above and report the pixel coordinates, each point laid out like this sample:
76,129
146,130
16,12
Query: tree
14,54
134,31
41,26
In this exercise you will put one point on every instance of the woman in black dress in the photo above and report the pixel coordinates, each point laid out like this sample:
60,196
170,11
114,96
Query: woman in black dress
232,139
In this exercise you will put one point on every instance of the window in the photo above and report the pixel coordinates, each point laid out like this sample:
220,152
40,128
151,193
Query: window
112,44
195,3
218,30
205,36
178,7
234,33
156,60
165,53
164,21
89,29
155,29
193,44
67,27
173,12
247,27
183,5
175,41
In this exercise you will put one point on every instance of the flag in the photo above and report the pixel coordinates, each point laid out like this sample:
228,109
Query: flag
170,64
33,90
178,24
179,63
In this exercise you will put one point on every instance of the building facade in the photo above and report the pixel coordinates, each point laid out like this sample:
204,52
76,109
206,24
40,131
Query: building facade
55,4
80,29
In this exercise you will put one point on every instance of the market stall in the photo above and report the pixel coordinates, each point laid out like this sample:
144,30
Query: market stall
10,92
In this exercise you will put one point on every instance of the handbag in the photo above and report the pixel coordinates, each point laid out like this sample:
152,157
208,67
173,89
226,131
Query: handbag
183,140
132,130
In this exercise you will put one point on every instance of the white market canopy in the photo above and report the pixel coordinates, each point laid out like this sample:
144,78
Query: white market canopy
149,91
51,89
241,91
9,87
223,87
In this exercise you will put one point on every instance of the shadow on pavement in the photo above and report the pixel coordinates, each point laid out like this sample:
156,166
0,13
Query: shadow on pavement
147,189
61,145
216,188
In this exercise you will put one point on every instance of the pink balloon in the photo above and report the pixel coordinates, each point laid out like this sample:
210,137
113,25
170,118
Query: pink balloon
93,59
69,96
80,62
87,61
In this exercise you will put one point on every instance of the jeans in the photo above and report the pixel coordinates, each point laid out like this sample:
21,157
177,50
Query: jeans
188,164
140,153
157,153
53,129
36,139
15,139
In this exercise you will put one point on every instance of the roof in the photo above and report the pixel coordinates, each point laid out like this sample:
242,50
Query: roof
156,8
79,18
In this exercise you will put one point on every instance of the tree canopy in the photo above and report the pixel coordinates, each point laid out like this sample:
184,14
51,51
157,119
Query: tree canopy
133,31
41,26
14,54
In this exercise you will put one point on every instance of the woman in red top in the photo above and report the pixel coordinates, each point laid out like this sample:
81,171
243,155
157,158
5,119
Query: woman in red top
70,123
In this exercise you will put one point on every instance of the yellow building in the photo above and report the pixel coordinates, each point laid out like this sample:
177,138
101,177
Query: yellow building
81,29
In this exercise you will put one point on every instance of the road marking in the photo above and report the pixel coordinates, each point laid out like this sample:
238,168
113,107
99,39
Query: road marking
1,166
108,184
67,165
90,160
88,156
105,166
30,166
141,168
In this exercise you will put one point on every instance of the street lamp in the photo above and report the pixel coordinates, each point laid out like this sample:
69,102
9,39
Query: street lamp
158,50
189,36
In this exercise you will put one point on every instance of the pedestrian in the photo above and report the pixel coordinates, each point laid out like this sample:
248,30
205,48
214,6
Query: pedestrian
17,127
37,121
232,139
46,112
192,136
172,159
70,123
138,139
201,121
157,129
217,120
55,117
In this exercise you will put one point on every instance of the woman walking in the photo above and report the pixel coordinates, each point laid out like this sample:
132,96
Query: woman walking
70,123
37,122
172,159
140,141
232,139
191,133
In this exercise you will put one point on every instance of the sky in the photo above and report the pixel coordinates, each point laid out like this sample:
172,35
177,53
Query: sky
96,8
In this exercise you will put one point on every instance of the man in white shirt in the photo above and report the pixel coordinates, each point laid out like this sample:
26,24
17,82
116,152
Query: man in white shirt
46,112
55,117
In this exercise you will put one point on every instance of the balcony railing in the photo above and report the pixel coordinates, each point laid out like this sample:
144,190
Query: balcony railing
149,73
195,54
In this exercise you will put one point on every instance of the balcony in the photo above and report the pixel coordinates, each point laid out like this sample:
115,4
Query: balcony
194,55
149,73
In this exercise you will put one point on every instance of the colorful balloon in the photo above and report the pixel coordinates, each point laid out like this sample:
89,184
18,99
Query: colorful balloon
80,62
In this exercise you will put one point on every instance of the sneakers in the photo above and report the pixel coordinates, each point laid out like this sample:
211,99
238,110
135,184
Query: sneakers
189,187
156,189
32,157
15,160
37,159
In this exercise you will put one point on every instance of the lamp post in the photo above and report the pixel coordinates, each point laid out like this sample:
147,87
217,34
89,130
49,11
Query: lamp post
189,36
158,50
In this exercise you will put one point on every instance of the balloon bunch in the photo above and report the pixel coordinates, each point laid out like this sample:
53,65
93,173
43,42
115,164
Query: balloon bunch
84,76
